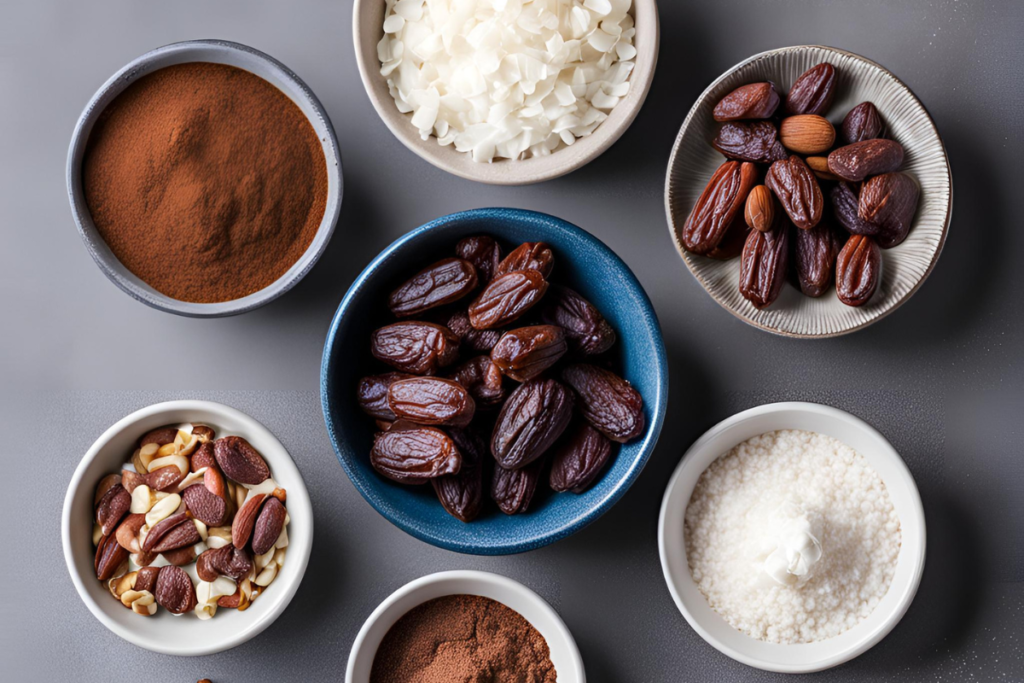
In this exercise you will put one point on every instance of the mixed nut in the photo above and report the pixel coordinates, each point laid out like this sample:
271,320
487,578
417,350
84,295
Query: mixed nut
498,351
738,212
188,501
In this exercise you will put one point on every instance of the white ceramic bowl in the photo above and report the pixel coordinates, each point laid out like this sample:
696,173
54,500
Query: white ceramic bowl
904,268
368,29
217,52
165,633
805,657
564,653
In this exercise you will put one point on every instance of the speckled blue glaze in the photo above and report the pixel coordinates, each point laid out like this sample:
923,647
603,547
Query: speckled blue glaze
582,262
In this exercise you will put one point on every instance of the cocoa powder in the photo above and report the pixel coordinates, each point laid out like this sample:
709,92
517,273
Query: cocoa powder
465,638
206,181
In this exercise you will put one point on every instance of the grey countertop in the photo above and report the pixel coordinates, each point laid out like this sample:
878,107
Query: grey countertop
941,378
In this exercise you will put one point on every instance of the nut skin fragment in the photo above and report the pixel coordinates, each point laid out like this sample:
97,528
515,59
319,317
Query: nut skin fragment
483,252
579,458
417,348
813,91
268,526
440,283
528,256
112,508
513,490
858,160
526,352
461,494
174,590
240,461
763,265
586,330
863,122
532,419
507,298
431,401
245,520
754,141
797,189
607,401
751,101
717,206
890,201
858,270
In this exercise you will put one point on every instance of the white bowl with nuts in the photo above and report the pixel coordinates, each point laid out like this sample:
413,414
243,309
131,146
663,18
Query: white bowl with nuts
189,509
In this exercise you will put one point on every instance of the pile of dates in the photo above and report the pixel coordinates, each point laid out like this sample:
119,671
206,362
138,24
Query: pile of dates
499,377
785,153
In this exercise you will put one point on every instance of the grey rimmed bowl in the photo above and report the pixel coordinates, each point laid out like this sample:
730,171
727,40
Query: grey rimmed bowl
217,52
904,268
368,29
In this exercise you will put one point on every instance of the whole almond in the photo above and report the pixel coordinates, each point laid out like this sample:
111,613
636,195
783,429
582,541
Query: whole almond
210,509
807,134
164,478
109,557
154,539
268,526
174,590
245,520
759,212
146,579
820,167
859,160
112,507
127,533
240,461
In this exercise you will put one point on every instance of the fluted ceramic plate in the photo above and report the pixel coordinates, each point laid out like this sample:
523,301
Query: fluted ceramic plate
904,268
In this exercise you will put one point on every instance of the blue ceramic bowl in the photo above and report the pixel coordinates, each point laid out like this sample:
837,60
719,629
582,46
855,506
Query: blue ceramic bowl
581,262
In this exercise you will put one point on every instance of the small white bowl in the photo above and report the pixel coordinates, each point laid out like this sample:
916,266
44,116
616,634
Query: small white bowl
804,657
564,653
368,29
165,633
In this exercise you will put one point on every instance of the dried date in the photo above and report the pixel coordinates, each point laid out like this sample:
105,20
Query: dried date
525,352
718,205
859,160
482,379
513,490
528,256
446,281
845,206
586,330
731,245
858,270
532,419
578,458
607,401
756,141
415,454
372,394
797,190
470,338
483,252
889,201
753,101
763,265
462,494
861,123
813,91
507,298
431,401
814,258
415,347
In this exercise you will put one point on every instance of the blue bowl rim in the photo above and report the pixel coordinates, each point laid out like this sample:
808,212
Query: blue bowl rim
647,445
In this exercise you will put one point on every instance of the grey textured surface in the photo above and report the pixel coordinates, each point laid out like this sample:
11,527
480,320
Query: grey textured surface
941,378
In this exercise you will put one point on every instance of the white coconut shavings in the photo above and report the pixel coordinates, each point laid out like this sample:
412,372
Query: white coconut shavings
508,79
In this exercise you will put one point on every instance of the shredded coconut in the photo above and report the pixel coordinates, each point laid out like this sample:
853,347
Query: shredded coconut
741,500
507,78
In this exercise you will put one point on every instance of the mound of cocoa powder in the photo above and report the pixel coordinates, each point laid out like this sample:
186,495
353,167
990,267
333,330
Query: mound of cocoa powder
463,639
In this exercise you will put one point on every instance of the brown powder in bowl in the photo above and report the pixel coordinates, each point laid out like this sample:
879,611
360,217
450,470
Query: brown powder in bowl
206,181
463,639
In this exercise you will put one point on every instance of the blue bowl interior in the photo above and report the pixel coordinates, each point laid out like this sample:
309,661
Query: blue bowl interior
583,263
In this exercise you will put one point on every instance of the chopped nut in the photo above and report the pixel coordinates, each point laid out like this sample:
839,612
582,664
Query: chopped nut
162,509
143,500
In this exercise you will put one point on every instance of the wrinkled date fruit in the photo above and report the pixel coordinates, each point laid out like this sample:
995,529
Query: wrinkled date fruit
462,494
470,338
208,508
513,490
483,252
109,556
174,590
718,205
862,123
446,281
112,507
414,455
268,526
753,101
524,353
859,160
759,210
532,419
756,141
372,394
431,401
844,207
607,401
889,201
813,91
731,245
224,561
415,347
579,458
506,298
814,255
763,265
482,379
240,461
858,270
797,190
528,256
586,330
